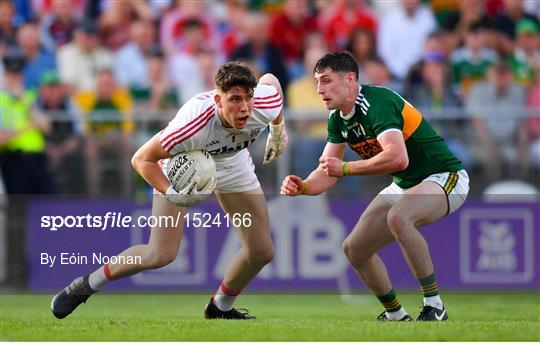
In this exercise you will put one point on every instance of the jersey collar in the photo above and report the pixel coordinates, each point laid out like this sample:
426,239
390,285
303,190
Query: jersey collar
351,114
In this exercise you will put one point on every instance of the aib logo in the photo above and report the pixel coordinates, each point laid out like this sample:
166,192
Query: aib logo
497,245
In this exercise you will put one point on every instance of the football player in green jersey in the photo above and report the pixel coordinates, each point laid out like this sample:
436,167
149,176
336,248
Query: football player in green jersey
391,137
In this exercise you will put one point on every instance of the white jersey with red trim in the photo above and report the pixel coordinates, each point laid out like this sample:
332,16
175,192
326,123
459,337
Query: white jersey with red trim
197,126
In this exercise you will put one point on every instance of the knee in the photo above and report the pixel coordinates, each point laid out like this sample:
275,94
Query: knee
355,254
398,223
160,258
261,256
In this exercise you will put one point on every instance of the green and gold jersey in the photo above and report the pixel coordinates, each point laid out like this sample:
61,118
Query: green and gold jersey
379,109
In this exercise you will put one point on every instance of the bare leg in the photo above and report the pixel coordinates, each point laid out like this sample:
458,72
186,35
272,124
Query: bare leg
369,235
257,248
162,247
160,250
423,204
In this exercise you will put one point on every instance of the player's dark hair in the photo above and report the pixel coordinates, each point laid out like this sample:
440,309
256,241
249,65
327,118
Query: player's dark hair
337,61
235,74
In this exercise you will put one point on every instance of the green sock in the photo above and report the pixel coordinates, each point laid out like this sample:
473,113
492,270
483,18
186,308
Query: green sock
390,301
429,286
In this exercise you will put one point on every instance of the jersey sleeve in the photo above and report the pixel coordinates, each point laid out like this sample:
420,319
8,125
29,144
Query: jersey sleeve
334,134
268,101
187,131
384,116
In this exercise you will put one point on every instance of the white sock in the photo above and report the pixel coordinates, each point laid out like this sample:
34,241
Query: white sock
397,315
98,278
433,301
223,301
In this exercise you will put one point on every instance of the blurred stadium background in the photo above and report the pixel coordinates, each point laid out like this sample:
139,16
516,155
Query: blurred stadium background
94,79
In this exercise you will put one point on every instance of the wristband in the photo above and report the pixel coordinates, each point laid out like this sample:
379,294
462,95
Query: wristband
304,188
344,168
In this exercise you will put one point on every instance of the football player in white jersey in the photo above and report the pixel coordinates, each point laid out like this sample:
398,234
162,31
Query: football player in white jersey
223,122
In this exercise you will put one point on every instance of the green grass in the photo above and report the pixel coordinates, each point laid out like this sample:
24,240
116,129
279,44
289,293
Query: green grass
485,317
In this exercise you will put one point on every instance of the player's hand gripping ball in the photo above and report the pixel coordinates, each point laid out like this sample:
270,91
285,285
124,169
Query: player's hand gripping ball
192,176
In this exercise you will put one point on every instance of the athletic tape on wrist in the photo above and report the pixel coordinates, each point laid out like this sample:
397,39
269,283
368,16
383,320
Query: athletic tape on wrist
304,188
344,168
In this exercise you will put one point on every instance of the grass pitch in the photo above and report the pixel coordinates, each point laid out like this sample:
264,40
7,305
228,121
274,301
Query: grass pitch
170,317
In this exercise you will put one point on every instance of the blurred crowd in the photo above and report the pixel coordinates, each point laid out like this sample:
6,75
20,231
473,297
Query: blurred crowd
74,73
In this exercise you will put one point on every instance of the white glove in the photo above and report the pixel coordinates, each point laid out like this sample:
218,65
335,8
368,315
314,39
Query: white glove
277,142
185,198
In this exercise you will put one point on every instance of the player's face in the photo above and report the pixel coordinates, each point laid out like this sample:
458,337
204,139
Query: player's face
235,107
333,87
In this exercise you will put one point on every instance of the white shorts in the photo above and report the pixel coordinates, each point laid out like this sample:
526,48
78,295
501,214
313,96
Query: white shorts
454,184
234,174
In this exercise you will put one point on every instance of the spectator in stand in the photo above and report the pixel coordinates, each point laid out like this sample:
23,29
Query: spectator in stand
130,62
107,110
513,11
437,42
116,21
185,71
259,52
506,22
208,67
529,154
362,45
288,29
8,23
434,94
233,34
64,141
457,23
302,93
22,158
158,94
489,35
433,46
172,25
314,40
494,107
471,62
38,60
302,96
58,27
526,51
434,91
79,61
23,162
348,15
155,102
377,73
402,33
